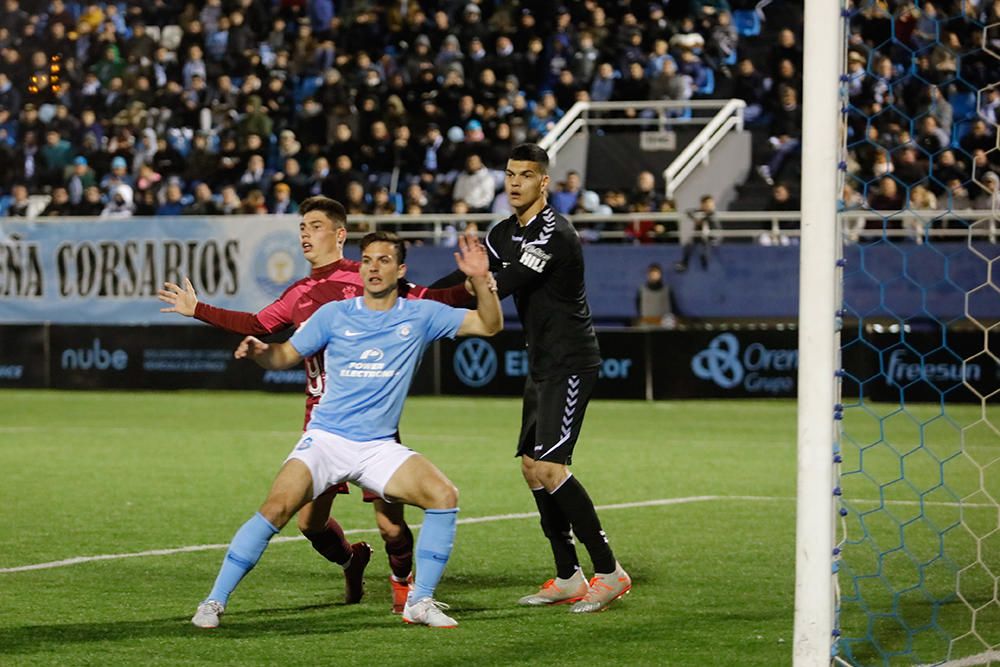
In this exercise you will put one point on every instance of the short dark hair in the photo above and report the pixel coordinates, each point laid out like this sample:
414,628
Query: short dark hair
386,237
332,208
531,153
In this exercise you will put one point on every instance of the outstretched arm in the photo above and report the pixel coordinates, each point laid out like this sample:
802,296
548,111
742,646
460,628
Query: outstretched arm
272,356
184,300
487,319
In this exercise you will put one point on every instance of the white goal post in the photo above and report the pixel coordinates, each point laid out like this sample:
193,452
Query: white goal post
822,142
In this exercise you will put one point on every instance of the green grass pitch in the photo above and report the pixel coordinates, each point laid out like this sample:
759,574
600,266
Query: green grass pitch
97,473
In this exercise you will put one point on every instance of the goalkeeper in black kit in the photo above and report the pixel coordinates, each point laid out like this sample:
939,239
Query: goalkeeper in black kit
536,256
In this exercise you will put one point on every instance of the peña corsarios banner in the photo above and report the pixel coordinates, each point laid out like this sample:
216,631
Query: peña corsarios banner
86,271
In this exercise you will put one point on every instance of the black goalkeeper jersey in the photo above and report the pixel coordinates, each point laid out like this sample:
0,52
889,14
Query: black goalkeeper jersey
541,264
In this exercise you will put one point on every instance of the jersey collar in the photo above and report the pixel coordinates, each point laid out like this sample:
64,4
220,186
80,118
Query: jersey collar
521,233
322,271
359,304
534,218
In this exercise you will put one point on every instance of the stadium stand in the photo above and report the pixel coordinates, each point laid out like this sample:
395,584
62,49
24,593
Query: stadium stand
187,93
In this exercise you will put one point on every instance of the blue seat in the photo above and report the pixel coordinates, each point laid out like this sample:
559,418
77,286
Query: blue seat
306,87
708,85
963,106
958,130
963,109
747,22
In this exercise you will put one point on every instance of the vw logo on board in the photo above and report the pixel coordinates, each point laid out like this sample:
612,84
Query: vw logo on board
475,362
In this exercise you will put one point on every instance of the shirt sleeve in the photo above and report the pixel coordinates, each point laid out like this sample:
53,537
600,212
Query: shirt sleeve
278,314
314,333
234,321
441,321
456,295
492,242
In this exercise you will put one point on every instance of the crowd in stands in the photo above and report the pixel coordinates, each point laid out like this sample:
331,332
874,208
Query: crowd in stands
163,107
160,107
250,106
922,111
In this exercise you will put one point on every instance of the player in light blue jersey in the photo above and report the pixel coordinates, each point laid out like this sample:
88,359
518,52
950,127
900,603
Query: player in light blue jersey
373,345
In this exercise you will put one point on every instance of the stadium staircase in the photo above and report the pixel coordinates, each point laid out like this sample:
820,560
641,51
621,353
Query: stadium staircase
754,194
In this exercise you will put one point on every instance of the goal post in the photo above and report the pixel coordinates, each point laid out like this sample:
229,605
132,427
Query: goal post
898,489
822,146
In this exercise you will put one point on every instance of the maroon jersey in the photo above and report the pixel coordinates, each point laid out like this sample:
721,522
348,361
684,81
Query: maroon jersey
333,282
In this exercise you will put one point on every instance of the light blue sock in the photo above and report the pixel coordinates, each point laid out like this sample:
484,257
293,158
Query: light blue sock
244,551
433,550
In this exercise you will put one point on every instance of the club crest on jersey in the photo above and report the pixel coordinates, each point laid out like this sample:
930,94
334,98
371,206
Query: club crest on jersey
535,258
350,291
404,331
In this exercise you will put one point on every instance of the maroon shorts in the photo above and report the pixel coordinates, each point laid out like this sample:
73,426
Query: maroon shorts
345,488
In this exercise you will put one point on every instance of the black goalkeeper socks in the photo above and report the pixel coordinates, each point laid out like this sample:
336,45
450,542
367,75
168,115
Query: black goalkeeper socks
556,527
577,506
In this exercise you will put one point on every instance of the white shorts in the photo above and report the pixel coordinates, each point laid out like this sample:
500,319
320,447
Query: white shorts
333,459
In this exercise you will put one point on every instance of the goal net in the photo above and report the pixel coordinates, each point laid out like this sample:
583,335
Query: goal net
917,458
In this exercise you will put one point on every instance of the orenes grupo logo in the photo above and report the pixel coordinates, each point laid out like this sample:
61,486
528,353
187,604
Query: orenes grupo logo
720,362
475,362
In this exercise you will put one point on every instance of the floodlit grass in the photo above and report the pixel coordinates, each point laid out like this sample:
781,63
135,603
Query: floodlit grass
87,473
920,557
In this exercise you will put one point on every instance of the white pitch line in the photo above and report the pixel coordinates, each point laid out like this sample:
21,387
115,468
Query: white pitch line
660,502
480,519
970,661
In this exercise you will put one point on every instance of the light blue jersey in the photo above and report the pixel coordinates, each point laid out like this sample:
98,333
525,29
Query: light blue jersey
371,357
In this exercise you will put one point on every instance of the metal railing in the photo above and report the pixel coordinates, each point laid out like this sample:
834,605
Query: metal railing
666,113
772,227
759,226
696,153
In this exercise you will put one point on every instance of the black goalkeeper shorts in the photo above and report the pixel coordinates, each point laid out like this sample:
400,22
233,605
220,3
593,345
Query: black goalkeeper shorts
552,415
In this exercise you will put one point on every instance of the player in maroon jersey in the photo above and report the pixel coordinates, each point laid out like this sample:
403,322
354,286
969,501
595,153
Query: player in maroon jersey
322,233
